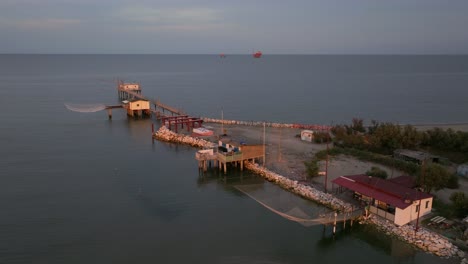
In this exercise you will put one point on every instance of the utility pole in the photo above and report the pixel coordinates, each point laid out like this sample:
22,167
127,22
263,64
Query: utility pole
263,144
279,145
326,168
222,122
419,195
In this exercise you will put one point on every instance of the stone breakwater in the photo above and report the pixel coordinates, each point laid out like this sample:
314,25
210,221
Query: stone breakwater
268,124
423,239
301,189
167,135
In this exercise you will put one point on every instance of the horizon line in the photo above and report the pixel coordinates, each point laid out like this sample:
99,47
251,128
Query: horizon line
250,54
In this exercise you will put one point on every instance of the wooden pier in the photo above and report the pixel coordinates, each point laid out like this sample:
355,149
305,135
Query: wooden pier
188,121
109,109
128,91
221,159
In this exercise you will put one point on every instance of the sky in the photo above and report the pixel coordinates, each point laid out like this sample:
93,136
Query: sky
234,26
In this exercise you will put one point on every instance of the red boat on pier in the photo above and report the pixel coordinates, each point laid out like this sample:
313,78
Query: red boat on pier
257,54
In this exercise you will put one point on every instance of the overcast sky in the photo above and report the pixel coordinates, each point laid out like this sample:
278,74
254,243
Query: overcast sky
234,26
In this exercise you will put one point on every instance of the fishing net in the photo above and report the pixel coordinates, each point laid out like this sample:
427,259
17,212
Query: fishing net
286,204
85,108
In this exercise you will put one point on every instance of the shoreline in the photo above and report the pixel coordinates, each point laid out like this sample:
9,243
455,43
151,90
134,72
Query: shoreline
426,240
457,126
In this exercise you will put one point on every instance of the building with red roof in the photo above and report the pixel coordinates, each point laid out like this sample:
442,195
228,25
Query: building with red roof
389,199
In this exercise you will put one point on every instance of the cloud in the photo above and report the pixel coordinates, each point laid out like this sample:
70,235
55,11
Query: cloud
41,23
178,19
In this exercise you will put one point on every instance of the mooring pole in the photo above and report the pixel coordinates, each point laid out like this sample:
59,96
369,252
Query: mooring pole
334,224
344,220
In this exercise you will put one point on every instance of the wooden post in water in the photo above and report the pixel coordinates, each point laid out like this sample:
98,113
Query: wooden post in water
152,133
109,113
344,220
334,224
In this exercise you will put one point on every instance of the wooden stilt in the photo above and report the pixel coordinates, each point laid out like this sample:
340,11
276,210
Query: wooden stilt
344,220
334,224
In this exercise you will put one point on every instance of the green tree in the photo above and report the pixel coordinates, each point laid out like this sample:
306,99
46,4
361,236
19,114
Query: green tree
386,138
312,168
433,177
358,125
322,137
460,203
452,183
411,138
377,172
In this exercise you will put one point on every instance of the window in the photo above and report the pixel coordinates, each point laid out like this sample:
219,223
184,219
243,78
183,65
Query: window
427,204
417,208
382,205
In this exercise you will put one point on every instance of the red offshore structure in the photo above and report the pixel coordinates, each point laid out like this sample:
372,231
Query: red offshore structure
257,54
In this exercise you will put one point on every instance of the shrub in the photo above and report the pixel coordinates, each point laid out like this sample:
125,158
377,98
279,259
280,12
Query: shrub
312,167
460,203
453,182
377,172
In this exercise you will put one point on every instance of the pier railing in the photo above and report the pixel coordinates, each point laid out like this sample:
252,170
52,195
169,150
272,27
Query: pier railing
229,157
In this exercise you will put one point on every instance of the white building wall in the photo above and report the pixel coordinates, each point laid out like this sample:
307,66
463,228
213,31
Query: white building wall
402,217
139,105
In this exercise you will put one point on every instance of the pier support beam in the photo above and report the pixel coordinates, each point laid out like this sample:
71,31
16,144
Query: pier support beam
334,224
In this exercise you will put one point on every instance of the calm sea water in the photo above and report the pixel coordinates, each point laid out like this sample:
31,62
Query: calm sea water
77,188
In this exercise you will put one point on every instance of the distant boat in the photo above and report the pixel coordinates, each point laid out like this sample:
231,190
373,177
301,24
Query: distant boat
222,55
257,54
201,131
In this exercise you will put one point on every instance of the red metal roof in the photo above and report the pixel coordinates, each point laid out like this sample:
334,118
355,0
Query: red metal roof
382,190
406,181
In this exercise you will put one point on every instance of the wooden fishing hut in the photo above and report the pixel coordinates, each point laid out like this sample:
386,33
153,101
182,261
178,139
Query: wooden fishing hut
229,151
128,90
137,107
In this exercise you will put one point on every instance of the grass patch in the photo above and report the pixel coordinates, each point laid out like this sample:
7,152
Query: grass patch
442,209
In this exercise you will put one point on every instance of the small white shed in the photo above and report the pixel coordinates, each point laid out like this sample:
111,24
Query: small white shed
307,135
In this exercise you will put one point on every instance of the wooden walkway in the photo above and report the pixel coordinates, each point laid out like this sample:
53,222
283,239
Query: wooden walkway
330,217
156,103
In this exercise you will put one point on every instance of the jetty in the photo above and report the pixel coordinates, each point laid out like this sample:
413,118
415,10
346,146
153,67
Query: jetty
138,105
220,155
239,154
128,91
